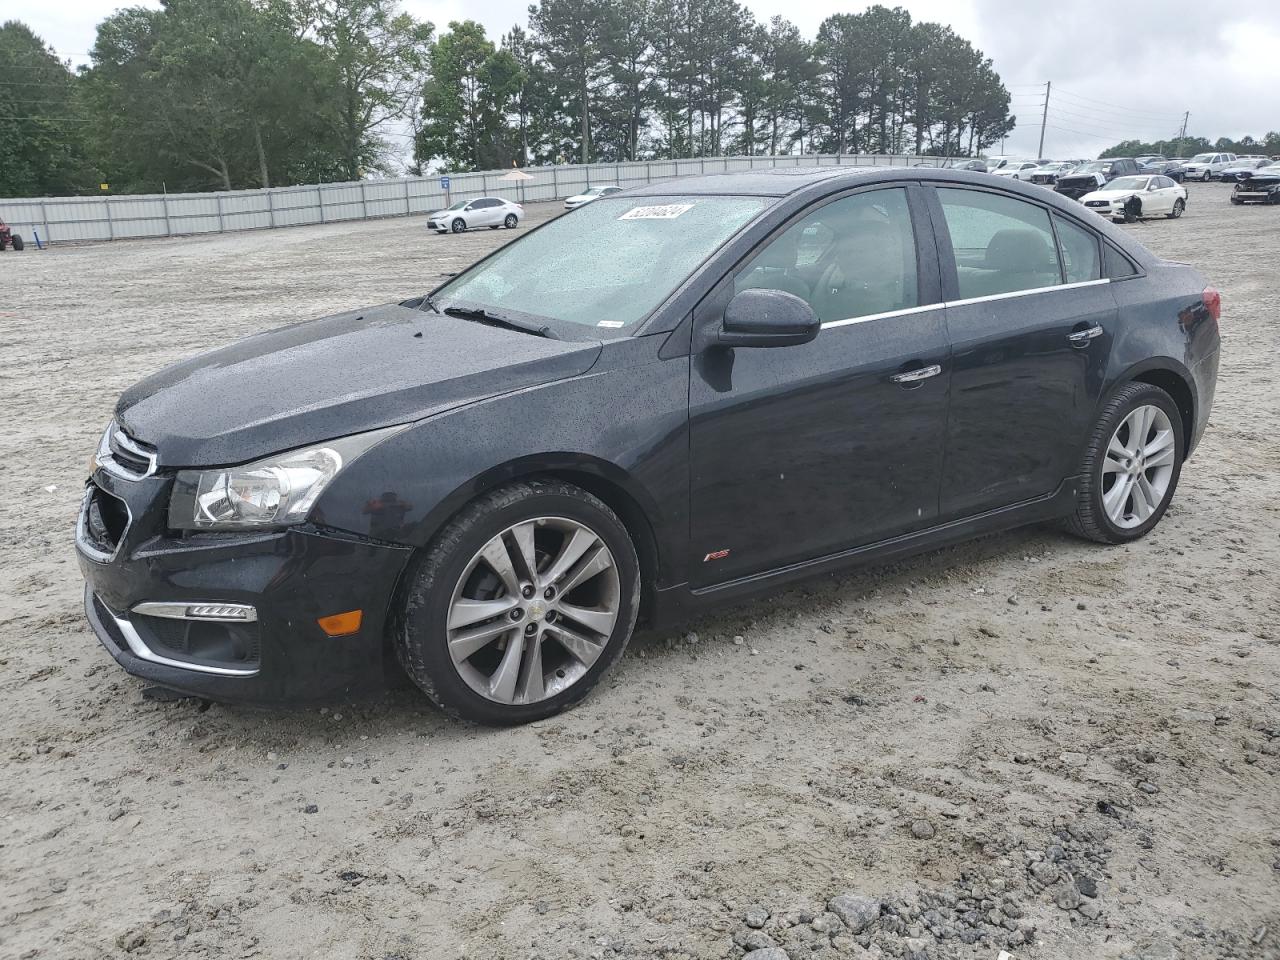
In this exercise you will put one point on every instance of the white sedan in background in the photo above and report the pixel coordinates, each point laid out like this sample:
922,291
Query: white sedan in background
595,193
1138,198
491,212
1017,169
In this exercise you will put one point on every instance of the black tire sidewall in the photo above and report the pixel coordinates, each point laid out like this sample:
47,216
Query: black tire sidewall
510,221
422,630
1137,395
455,225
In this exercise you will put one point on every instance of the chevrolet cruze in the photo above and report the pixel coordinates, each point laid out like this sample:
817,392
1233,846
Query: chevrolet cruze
672,397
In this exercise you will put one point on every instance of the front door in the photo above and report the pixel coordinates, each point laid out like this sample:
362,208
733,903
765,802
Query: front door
1031,322
802,451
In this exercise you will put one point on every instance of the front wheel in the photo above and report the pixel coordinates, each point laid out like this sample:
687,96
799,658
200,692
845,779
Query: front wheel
1179,205
521,604
511,221
458,225
17,242
1131,466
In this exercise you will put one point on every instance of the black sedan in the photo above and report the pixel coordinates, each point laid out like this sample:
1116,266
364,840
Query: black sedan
669,398
1259,186
1173,169
1243,169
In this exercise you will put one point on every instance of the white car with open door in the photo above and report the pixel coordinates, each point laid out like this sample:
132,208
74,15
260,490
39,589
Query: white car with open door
491,212
1138,198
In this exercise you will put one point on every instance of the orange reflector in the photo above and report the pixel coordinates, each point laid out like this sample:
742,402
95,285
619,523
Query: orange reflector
341,624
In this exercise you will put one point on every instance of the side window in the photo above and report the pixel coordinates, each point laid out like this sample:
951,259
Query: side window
487,203
1000,244
853,257
1116,264
1080,258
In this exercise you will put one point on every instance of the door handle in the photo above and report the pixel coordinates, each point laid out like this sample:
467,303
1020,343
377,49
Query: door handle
1081,337
914,376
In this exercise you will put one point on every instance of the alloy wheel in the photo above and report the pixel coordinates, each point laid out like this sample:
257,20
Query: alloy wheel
1138,467
533,610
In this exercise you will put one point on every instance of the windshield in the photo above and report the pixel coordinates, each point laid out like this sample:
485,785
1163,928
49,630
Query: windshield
609,264
1202,158
1127,183
459,205
1097,166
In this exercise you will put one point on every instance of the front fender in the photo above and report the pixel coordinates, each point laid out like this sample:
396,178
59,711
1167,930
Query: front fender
625,422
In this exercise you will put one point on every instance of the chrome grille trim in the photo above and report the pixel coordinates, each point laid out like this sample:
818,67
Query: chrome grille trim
118,439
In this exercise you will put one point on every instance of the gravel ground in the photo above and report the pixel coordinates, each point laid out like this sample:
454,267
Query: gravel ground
1026,743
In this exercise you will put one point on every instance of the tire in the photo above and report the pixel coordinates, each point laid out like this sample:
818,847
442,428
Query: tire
17,242
1237,201
458,225
1095,516
510,221
1179,205
453,575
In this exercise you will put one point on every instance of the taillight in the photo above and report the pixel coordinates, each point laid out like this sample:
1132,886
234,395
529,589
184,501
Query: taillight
1212,302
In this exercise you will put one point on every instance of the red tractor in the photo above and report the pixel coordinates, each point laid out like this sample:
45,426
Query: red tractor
8,238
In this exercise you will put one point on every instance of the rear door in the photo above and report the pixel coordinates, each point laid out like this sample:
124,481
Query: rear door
799,452
1031,322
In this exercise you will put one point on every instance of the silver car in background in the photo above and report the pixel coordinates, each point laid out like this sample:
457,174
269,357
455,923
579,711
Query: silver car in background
491,212
593,193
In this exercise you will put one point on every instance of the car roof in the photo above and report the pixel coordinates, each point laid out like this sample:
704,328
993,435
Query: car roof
758,183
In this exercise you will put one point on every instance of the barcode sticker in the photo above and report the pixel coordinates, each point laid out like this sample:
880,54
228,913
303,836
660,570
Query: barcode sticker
666,211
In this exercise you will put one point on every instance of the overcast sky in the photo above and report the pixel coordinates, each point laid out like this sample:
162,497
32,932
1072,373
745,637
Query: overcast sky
1115,74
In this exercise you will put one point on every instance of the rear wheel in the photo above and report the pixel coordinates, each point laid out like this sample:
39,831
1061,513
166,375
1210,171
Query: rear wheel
1131,466
510,221
17,242
1179,205
458,225
522,603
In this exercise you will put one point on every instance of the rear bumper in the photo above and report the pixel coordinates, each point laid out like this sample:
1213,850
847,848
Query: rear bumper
291,578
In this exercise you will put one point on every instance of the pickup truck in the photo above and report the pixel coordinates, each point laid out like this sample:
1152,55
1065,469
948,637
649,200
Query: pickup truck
1091,176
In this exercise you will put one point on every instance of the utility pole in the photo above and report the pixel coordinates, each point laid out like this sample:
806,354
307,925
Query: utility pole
1044,117
1182,135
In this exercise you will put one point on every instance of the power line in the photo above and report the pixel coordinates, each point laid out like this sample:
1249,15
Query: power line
1118,108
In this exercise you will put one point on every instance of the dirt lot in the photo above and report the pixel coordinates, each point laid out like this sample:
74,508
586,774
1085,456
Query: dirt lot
979,738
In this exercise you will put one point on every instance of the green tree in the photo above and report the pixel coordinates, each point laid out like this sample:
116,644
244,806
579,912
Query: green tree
42,122
378,55
571,36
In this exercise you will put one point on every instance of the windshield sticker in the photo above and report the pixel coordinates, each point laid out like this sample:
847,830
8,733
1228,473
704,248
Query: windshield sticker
611,324
668,211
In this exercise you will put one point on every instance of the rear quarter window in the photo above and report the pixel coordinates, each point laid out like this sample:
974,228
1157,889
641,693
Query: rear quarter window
1116,264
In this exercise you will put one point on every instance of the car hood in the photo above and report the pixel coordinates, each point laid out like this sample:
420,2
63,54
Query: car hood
327,378
1108,194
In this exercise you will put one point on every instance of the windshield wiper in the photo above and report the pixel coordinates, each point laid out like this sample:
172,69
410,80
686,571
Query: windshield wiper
481,315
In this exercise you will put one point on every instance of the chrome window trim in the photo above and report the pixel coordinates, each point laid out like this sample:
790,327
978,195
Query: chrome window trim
1026,293
84,544
140,650
906,311
963,303
182,611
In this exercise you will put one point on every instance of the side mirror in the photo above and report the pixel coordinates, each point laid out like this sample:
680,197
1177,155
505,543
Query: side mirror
759,317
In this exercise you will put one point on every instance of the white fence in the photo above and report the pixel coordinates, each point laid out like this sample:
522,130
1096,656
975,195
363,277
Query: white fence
79,219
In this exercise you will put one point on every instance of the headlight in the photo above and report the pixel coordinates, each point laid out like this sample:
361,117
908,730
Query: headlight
277,491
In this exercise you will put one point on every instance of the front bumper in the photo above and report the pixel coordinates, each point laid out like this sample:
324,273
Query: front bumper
290,577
